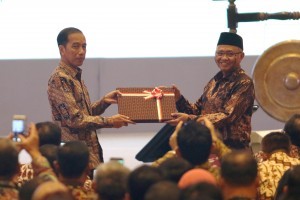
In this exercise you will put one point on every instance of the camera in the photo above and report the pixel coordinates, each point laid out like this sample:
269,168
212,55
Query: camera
18,126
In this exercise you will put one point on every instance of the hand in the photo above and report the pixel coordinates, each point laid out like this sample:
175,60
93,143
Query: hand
176,93
173,138
209,125
31,142
177,118
118,121
112,97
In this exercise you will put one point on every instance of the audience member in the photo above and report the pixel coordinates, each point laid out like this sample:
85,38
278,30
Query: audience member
110,181
195,176
140,179
173,168
49,133
9,169
163,190
291,190
239,176
282,183
195,141
203,191
27,189
52,190
72,166
49,151
292,129
276,147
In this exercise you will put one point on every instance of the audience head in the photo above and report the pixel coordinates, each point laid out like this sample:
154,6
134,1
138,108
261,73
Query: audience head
293,182
140,179
194,142
205,191
275,141
73,159
292,128
195,176
49,133
9,159
52,190
27,189
239,169
110,181
173,168
163,190
49,151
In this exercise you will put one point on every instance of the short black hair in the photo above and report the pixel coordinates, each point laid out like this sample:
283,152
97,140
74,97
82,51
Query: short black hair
140,180
9,156
62,38
194,142
49,133
73,158
173,168
275,141
292,128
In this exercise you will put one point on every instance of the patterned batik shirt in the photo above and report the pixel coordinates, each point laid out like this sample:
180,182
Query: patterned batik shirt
73,111
8,191
271,170
227,102
80,193
294,153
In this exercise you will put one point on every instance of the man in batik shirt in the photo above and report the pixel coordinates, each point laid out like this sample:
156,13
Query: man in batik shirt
228,98
69,99
276,147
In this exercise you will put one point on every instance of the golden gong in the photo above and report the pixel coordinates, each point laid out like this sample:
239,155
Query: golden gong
276,76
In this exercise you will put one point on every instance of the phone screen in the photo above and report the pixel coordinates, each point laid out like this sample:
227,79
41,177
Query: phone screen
18,126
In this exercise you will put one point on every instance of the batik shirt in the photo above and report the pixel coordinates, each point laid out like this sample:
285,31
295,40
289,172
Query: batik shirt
8,191
294,153
80,193
270,172
73,111
227,102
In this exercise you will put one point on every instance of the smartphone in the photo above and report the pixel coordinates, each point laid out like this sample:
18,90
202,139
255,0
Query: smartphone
120,160
18,126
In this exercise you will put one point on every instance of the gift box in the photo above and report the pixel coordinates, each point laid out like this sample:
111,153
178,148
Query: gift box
147,104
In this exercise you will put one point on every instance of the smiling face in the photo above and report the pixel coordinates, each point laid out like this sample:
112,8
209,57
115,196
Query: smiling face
228,58
73,52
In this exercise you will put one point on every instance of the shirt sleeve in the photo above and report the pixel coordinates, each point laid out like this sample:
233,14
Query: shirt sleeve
69,107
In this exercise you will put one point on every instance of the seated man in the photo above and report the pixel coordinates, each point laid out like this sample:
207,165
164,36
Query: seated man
49,133
276,147
239,176
110,181
72,166
9,169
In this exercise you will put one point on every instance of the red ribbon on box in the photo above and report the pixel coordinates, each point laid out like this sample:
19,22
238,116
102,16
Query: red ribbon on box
155,93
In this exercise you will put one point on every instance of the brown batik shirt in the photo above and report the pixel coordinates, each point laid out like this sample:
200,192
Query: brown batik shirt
227,102
73,111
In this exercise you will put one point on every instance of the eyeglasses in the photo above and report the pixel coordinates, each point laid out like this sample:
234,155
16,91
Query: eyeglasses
229,54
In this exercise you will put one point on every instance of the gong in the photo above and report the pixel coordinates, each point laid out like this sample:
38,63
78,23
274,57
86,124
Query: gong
276,77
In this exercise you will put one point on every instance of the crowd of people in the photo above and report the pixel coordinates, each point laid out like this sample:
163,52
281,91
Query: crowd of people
210,157
62,171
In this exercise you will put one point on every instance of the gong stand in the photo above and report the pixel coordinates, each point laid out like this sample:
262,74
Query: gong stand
233,17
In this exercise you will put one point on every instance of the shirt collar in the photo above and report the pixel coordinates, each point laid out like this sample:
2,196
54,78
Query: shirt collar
74,72
231,77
